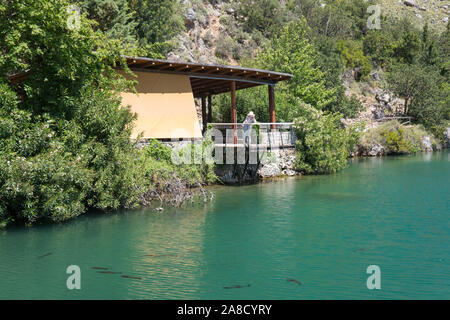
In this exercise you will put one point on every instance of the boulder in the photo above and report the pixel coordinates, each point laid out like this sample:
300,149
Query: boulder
377,150
289,172
410,3
190,18
378,113
230,11
447,138
269,170
426,142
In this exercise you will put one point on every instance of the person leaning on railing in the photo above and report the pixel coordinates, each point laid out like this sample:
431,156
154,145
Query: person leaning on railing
249,120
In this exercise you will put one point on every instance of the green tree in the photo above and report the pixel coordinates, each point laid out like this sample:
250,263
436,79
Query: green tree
158,21
114,18
262,15
323,145
379,46
409,81
65,139
292,52
354,57
330,62
408,47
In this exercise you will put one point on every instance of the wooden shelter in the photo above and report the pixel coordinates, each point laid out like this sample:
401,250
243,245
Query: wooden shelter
165,102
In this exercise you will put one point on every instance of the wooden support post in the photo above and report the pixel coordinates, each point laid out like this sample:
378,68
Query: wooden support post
204,116
233,101
272,104
233,108
209,109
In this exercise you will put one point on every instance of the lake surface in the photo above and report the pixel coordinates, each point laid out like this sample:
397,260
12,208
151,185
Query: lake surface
323,231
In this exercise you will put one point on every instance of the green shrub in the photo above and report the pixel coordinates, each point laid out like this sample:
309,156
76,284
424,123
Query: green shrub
379,46
323,145
354,57
65,142
158,151
396,138
158,163
396,142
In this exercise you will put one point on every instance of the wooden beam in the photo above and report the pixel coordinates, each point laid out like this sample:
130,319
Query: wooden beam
181,68
272,104
233,101
204,116
233,108
218,89
209,109
196,75
166,66
205,84
195,69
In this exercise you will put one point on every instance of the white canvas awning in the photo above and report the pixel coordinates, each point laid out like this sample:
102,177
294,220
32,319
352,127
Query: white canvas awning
164,106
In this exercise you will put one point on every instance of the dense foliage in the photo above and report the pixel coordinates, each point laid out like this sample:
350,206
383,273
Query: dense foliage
143,27
335,37
394,138
317,41
323,144
64,137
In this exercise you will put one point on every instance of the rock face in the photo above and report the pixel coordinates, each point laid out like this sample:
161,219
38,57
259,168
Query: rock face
282,165
281,162
427,145
269,170
377,150
189,18
447,138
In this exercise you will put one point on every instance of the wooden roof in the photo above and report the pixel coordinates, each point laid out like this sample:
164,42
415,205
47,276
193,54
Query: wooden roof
208,79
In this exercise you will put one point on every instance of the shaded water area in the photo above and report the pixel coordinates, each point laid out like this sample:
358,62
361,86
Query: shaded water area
323,231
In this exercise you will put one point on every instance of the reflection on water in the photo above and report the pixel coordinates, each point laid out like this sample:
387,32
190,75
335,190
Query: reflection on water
320,231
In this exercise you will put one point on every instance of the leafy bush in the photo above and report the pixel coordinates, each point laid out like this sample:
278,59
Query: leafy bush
262,15
65,141
396,138
396,142
158,163
158,151
379,46
354,57
323,145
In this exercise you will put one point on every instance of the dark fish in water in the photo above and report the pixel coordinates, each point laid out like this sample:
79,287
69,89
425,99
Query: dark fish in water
131,277
45,255
109,272
294,281
237,287
360,249
99,268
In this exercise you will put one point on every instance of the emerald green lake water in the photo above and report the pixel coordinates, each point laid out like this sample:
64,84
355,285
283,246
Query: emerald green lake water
323,231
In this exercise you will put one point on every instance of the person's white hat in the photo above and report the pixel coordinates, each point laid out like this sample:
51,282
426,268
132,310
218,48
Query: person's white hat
251,113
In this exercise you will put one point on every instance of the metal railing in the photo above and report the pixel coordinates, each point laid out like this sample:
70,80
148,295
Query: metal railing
268,134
